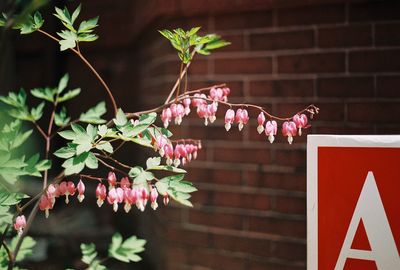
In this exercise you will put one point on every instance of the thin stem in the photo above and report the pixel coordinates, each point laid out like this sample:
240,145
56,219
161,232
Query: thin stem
179,79
114,160
9,254
78,53
179,83
92,177
111,167
119,146
40,130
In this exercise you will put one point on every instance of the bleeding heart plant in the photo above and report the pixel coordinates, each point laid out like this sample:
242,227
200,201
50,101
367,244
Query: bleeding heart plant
91,141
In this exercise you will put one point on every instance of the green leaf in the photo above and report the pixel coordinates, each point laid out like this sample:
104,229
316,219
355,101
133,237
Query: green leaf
63,83
89,252
75,14
93,115
85,37
61,119
105,146
68,40
91,161
183,186
69,95
37,112
65,152
143,176
193,31
5,216
20,139
76,164
34,167
153,162
88,26
120,119
135,171
168,168
126,251
32,24
43,93
162,188
103,130
67,134
11,198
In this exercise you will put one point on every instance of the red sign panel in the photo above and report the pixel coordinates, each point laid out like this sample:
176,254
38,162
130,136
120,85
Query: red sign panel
353,206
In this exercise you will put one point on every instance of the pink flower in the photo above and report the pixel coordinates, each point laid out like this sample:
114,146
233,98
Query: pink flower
45,204
179,113
289,129
112,179
142,198
229,119
153,198
20,224
271,128
166,199
101,194
166,116
52,192
169,153
67,189
161,141
261,121
81,190
300,121
130,197
125,183
115,196
202,113
242,117
211,111
186,103
199,100
226,91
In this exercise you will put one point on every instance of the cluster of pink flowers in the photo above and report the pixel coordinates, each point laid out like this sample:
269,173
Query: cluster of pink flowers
65,188
199,101
181,154
126,194
289,128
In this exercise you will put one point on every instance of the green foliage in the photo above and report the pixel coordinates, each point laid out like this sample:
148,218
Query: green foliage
72,36
93,115
176,188
25,251
184,41
8,199
126,251
27,25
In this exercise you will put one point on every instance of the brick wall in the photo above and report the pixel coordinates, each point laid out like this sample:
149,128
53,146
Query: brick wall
250,210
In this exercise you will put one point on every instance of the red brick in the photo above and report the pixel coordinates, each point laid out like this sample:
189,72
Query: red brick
216,219
387,86
243,155
244,20
278,226
345,36
291,157
165,68
290,251
282,88
259,247
290,205
346,87
242,200
322,14
169,214
374,61
285,181
197,67
258,265
282,40
345,129
374,112
214,260
255,65
387,34
374,11
237,43
216,176
212,132
187,237
312,63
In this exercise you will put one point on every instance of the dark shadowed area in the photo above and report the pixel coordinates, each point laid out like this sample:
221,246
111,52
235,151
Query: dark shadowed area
250,210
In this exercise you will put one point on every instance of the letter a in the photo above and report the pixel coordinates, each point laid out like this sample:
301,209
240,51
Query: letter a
370,209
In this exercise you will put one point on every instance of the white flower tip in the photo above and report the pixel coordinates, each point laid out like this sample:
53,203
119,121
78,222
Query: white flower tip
290,139
81,197
169,161
166,124
66,199
271,138
115,207
127,207
300,132
154,205
240,126
46,213
260,129
228,126
99,202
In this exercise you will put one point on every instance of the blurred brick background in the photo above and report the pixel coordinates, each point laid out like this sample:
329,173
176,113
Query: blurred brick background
250,210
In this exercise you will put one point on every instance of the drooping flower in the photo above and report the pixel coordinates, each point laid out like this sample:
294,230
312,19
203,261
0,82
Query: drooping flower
125,183
20,224
242,117
81,191
67,189
142,198
300,121
169,153
289,129
52,192
271,128
45,204
160,142
211,111
186,103
115,196
112,180
261,121
166,116
153,198
130,197
229,119
101,194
